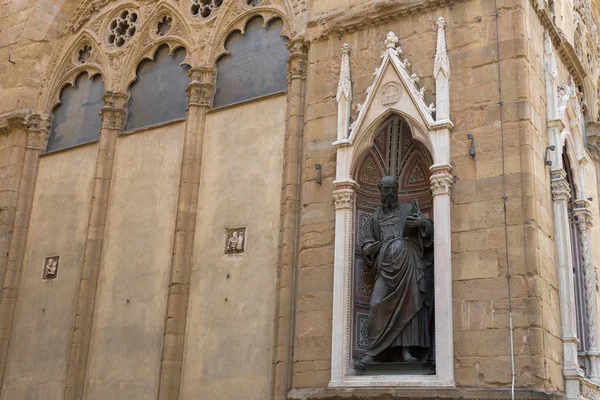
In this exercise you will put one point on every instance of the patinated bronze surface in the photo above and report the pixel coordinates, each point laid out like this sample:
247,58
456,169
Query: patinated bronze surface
399,247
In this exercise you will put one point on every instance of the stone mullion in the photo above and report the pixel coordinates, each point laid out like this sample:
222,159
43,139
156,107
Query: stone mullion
583,214
290,214
200,92
561,194
113,116
37,131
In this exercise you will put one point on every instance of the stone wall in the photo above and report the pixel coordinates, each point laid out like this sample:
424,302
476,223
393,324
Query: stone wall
482,353
131,301
43,324
229,335
227,352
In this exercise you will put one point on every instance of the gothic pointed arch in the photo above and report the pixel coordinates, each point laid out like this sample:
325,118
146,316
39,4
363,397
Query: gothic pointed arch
82,53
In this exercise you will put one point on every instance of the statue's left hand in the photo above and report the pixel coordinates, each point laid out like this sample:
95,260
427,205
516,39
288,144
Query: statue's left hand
416,221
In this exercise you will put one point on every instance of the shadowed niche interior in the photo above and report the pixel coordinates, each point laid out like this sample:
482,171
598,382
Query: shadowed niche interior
256,63
158,94
77,119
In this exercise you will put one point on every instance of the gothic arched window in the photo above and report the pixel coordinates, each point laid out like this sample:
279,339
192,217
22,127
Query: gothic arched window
77,119
158,94
256,64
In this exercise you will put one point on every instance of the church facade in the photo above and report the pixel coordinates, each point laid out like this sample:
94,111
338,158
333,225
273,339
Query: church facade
187,188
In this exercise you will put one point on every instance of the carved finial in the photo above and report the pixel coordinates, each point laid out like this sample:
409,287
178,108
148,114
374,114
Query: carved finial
345,84
391,41
442,62
414,78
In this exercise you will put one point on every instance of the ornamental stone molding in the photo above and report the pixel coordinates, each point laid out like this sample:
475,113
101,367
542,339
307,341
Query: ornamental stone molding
441,183
201,88
38,128
561,191
344,198
593,139
442,62
298,59
114,110
203,38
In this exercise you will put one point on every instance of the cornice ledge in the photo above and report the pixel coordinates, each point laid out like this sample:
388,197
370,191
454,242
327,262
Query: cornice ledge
559,40
419,393
370,12
13,119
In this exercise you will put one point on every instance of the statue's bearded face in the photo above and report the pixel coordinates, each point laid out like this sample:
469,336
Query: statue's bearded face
389,196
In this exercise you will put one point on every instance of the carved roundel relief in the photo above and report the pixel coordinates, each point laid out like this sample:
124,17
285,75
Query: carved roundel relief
122,28
390,94
204,8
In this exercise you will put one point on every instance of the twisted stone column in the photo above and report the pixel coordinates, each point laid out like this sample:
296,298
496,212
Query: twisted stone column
113,117
583,213
561,193
290,214
33,132
200,92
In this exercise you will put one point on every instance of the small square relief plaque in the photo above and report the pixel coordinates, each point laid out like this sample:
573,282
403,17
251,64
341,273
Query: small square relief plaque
235,241
50,268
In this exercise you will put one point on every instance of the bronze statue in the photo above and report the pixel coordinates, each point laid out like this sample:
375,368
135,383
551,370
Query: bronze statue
399,247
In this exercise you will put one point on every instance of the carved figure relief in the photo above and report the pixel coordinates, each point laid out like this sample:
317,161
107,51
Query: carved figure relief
122,28
50,268
235,241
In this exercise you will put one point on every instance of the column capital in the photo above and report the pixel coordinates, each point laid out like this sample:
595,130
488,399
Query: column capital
297,61
201,88
38,131
441,179
114,111
561,191
344,198
582,209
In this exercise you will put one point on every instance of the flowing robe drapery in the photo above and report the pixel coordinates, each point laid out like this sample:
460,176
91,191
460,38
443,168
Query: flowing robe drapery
402,300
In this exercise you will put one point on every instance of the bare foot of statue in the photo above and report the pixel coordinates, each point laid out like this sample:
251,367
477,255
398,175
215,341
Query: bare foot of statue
406,356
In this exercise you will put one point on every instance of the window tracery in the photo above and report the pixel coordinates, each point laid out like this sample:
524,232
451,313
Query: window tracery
122,28
84,53
204,8
164,26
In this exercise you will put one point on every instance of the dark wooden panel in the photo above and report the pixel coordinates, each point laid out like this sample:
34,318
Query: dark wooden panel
76,118
255,66
158,95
